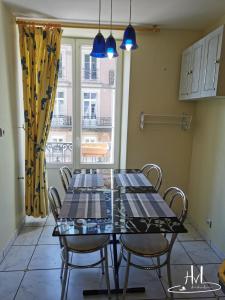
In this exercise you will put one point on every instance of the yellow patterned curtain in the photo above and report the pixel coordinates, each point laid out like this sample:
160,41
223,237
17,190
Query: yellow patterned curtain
40,54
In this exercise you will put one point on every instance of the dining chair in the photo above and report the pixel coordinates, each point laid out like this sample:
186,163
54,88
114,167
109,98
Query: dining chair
154,245
65,175
154,173
78,244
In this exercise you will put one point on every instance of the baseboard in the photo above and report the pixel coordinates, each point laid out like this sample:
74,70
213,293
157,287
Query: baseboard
5,250
206,237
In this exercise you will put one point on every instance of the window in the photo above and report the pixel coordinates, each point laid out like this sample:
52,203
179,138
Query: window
89,105
90,67
111,77
85,128
59,146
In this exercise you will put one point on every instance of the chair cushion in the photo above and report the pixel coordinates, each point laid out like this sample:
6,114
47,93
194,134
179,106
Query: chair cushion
86,243
145,244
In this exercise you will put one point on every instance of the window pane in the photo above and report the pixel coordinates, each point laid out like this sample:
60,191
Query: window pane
97,120
59,145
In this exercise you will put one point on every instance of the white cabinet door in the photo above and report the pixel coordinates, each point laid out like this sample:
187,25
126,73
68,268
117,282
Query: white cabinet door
213,44
195,69
185,72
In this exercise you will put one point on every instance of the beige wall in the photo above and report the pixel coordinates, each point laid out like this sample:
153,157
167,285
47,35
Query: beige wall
207,185
10,201
154,85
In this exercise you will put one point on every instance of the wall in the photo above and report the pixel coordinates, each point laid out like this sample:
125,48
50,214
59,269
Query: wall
154,85
11,208
206,187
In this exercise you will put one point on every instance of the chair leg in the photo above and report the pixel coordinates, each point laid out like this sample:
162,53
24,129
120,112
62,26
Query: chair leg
159,270
169,276
107,272
64,276
101,255
126,275
62,267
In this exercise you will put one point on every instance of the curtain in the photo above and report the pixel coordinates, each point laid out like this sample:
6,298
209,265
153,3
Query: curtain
40,54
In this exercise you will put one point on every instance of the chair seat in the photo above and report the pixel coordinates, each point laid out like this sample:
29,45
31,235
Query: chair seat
145,244
86,243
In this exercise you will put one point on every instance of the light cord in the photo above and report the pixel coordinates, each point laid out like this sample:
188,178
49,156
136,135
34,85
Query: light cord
99,17
130,14
111,19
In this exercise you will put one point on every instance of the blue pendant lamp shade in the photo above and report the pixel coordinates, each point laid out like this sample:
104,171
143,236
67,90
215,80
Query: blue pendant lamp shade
98,49
111,47
129,39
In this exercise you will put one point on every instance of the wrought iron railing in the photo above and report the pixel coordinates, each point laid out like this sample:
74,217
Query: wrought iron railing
88,122
62,121
62,153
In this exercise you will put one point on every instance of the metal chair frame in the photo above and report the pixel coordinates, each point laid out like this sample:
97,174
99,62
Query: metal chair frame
65,250
171,195
65,175
149,168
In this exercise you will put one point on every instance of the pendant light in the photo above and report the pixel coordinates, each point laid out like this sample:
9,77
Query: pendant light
129,37
111,42
98,49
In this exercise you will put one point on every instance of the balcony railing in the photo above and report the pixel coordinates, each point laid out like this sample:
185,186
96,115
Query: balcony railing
61,121
90,153
88,122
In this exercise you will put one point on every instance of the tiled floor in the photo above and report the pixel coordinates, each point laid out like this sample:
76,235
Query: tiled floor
32,266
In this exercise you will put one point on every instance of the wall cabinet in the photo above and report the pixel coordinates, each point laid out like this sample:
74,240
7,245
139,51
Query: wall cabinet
203,68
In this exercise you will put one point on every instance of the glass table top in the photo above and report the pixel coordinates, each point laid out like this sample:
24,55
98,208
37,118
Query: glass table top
117,221
110,179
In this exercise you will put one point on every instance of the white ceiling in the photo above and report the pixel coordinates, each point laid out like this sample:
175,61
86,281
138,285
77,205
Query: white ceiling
184,14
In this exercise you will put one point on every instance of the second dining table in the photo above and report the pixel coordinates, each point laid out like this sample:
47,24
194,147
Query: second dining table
114,202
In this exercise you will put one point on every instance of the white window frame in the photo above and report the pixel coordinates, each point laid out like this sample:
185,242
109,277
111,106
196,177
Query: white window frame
116,114
77,110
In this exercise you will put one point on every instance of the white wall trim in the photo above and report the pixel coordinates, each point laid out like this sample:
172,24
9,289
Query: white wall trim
125,109
8,245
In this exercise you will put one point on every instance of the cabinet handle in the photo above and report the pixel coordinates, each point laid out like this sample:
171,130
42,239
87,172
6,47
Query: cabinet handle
191,72
20,178
217,61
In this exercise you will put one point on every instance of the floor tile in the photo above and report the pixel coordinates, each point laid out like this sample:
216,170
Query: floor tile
142,278
191,235
41,284
178,273
46,236
17,258
28,236
9,283
45,257
50,220
210,274
31,221
179,256
91,278
200,252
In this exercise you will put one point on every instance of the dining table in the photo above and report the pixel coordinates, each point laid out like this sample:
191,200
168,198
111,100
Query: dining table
114,202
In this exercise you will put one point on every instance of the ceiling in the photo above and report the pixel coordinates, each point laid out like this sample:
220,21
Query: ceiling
183,14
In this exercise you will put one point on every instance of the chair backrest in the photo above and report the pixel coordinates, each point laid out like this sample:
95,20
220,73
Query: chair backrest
154,173
54,201
55,205
177,201
65,175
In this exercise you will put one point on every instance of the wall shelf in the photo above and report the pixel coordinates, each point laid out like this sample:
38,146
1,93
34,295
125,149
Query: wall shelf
183,120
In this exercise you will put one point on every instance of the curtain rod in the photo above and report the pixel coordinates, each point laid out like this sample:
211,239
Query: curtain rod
52,23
